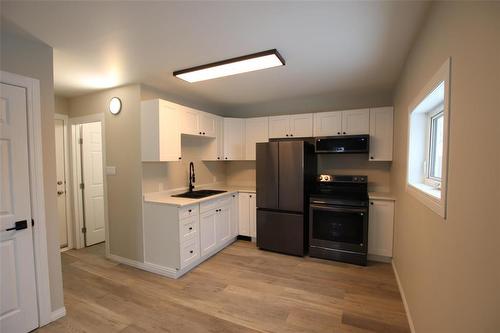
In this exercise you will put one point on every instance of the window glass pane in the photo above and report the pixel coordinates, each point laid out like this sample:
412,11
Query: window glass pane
436,150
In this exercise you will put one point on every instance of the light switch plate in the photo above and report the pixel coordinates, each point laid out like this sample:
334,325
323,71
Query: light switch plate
110,170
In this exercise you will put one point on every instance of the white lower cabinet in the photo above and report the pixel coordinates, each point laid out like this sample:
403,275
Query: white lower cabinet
247,214
380,228
208,239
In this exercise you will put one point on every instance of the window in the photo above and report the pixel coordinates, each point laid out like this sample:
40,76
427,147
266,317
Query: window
428,139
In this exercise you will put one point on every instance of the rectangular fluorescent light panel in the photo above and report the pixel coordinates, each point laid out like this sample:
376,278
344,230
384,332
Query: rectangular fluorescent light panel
244,64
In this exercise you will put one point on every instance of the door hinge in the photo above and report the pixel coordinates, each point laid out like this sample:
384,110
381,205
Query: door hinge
82,186
84,230
80,141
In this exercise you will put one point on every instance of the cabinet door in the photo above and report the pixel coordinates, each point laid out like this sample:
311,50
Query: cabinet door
207,124
244,214
252,214
328,123
233,138
279,126
256,130
301,125
208,240
189,121
356,122
234,214
381,134
223,225
380,227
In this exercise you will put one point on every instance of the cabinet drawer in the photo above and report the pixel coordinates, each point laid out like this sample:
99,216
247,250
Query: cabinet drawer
215,204
188,228
188,211
190,251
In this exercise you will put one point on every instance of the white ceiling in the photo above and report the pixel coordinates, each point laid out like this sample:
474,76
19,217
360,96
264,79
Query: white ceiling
329,47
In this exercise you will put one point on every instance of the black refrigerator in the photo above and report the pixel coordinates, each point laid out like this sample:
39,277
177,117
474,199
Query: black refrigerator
285,172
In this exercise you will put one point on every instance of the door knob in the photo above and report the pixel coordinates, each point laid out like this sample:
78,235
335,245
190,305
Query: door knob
19,225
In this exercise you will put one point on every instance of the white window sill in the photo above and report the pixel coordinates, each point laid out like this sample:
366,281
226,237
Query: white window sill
429,196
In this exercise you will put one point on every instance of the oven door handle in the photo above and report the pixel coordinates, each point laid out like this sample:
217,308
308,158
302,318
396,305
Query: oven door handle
340,209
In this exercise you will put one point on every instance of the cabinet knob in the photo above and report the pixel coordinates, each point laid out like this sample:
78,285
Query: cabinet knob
190,228
225,158
234,196
343,132
203,133
371,203
191,251
291,134
371,157
199,132
218,158
190,210
59,182
286,134
250,195
338,133
180,157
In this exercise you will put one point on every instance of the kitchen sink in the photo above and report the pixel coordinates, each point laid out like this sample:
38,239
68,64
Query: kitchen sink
198,194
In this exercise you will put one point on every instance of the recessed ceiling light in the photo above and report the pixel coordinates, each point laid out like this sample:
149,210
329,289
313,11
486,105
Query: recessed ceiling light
243,64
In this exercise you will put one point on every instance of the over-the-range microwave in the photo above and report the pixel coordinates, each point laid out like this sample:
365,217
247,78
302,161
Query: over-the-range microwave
343,144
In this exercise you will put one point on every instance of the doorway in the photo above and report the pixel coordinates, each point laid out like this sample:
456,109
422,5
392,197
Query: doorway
88,181
62,179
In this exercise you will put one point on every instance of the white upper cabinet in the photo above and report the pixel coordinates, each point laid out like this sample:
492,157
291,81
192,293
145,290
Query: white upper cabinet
189,120
213,149
234,136
279,126
160,132
380,232
299,125
328,123
381,134
356,122
256,130
207,124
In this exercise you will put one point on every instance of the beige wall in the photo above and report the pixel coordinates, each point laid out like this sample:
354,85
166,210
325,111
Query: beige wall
240,173
21,54
122,140
379,173
450,269
61,105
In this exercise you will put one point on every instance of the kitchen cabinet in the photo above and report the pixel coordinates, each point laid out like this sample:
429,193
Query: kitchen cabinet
213,148
328,123
207,124
188,120
234,214
215,224
356,122
247,214
234,136
381,134
381,227
160,131
256,130
300,126
208,231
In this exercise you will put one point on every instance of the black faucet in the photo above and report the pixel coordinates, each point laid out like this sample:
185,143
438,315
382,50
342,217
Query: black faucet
191,176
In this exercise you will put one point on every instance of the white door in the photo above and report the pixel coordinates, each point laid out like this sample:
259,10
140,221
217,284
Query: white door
223,225
244,214
381,227
279,126
234,134
256,130
381,134
61,181
328,123
18,302
252,211
93,191
301,125
356,122
208,240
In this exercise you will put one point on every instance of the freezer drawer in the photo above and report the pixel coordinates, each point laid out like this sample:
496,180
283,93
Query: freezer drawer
280,232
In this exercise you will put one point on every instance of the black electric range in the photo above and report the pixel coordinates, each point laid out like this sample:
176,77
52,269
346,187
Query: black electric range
338,218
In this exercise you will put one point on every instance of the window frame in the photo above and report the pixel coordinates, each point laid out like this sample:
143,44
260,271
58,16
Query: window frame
429,179
426,190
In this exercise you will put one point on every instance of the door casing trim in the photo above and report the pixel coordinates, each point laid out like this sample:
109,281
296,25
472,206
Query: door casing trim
37,193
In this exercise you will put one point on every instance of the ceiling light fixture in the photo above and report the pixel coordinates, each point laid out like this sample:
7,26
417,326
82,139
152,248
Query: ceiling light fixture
115,105
238,65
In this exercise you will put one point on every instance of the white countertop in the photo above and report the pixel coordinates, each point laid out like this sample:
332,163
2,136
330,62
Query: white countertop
381,196
166,197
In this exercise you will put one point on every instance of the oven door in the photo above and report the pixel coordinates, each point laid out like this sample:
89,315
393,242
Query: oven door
338,227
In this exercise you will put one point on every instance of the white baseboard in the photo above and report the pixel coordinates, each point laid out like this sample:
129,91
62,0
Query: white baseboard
59,313
405,303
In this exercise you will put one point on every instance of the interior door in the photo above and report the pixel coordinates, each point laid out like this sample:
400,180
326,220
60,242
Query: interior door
61,182
267,173
18,302
93,192
291,176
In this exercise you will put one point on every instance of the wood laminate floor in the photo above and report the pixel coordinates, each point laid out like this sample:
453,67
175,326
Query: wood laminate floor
241,289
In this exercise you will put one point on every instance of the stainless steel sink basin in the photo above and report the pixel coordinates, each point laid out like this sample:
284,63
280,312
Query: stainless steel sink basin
198,194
